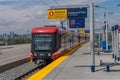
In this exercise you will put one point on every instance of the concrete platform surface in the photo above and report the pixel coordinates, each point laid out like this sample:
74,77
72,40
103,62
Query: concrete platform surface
12,53
77,67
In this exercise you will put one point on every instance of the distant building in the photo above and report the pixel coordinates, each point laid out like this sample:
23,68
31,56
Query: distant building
12,35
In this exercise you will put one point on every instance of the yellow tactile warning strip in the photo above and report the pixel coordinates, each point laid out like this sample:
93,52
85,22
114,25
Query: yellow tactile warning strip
46,70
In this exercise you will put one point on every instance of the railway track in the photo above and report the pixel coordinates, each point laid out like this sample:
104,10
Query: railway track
28,73
21,70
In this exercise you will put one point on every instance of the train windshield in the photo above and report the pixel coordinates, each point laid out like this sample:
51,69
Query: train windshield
42,41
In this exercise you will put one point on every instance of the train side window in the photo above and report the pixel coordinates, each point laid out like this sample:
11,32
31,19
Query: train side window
59,40
54,41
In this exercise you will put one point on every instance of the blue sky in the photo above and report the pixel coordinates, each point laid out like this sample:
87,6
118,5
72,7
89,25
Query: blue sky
21,16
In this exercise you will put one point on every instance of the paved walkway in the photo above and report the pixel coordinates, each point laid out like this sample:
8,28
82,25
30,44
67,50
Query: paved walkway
77,67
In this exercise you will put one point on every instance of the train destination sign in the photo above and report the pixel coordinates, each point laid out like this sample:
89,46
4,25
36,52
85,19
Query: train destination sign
57,14
77,12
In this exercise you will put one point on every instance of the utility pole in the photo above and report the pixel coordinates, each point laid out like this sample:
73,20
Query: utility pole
106,27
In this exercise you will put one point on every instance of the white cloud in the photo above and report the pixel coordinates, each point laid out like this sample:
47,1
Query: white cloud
19,19
114,19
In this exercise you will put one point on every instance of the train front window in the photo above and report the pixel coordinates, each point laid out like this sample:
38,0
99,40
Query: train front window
42,41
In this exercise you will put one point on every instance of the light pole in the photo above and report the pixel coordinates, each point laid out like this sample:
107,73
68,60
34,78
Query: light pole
106,26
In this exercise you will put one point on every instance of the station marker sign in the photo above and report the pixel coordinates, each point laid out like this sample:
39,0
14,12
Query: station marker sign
57,14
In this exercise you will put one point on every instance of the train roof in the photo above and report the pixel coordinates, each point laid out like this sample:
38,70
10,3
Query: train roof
45,29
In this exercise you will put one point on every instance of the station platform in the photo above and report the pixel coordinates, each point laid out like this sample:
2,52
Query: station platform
77,67
13,55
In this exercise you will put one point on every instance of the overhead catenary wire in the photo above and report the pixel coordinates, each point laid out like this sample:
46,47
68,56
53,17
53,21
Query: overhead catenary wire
56,2
61,21
45,3
49,7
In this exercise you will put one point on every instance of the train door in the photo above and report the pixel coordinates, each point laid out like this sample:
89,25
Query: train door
57,41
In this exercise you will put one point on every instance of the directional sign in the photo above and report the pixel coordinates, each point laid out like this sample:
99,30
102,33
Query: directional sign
77,23
57,14
77,12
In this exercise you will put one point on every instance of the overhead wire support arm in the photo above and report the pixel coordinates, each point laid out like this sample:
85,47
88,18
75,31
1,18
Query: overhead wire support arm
56,2
70,6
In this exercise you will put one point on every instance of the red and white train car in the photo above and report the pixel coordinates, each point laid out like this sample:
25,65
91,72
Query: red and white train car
46,42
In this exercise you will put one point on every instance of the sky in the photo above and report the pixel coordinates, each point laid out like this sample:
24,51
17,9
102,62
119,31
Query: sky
20,16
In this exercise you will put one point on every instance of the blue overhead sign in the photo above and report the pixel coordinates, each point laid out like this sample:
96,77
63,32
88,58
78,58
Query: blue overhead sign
77,23
77,12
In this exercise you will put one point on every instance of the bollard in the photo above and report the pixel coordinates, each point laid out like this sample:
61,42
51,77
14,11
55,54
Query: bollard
98,53
107,68
100,62
92,68
113,56
118,58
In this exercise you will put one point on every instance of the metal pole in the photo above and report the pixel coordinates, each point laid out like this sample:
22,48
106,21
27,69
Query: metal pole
67,27
103,38
114,44
112,40
106,15
117,44
92,37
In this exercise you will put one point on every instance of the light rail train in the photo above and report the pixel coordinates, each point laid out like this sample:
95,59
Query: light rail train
49,41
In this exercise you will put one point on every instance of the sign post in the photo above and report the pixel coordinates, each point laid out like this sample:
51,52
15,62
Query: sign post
92,37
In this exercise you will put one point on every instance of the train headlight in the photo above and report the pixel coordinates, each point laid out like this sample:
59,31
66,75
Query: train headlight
35,54
49,54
